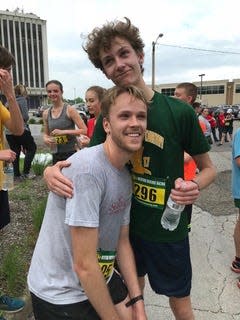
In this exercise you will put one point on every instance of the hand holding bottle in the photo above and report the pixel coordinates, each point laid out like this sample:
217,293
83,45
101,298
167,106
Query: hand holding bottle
172,213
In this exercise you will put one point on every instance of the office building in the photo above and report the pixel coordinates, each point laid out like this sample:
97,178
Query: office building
212,93
25,36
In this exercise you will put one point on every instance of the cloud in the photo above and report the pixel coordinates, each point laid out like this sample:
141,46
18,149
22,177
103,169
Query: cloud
199,24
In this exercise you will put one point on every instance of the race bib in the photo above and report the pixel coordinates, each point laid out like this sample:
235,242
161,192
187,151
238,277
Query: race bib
106,262
61,139
149,191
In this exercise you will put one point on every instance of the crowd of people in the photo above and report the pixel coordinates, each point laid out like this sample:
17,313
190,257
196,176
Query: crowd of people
105,202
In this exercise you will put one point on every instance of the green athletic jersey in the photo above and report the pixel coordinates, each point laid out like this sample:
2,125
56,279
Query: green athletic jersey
172,128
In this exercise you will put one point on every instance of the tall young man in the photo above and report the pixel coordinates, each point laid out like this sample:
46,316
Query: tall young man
10,118
157,169
72,270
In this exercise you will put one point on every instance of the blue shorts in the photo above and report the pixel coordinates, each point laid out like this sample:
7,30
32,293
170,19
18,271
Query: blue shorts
168,265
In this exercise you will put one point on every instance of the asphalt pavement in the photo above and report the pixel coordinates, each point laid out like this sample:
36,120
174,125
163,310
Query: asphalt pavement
215,295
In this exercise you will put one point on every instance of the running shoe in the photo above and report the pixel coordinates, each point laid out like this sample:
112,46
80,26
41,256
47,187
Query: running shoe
10,304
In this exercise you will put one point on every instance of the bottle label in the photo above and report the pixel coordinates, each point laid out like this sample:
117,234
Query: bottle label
149,190
173,205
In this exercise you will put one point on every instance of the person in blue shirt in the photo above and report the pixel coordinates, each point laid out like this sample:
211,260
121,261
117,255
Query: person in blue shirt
236,195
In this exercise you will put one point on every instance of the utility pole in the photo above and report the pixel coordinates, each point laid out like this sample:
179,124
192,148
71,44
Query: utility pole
153,59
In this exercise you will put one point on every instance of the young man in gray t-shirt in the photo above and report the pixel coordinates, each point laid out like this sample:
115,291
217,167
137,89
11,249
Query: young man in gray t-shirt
72,269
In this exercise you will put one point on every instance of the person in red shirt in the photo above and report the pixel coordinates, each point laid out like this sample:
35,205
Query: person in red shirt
213,123
220,124
93,98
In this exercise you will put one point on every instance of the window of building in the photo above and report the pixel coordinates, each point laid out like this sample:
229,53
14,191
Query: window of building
237,88
41,56
5,34
168,91
211,90
18,50
1,39
35,53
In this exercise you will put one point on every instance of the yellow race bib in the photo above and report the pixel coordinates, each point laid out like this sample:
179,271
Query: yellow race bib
149,190
106,262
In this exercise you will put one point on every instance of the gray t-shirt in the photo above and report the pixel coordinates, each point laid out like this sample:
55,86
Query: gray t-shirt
102,199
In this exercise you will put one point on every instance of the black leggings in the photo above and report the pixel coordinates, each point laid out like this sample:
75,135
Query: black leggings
16,143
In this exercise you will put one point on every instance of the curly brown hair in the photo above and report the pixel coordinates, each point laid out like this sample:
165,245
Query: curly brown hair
101,38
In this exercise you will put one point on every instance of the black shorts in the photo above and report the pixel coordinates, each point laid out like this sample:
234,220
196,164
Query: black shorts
44,310
4,209
167,265
61,156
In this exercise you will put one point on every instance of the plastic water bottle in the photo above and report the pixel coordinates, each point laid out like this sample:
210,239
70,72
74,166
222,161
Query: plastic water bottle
171,215
8,183
54,146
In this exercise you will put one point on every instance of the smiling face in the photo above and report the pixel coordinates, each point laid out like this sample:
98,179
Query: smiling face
126,123
54,92
121,63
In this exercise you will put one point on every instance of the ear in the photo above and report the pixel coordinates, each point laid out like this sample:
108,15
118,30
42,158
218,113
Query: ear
106,125
189,99
141,58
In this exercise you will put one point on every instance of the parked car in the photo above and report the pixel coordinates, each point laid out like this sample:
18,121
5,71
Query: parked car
82,110
39,111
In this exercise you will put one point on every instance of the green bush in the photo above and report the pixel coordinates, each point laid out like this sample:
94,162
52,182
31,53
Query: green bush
32,121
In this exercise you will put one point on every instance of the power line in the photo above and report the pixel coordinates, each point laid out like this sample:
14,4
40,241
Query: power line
198,49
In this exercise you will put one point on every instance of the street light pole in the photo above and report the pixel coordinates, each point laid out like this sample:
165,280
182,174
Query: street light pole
201,76
74,92
153,59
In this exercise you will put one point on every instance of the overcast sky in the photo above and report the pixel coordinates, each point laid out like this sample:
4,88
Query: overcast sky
203,24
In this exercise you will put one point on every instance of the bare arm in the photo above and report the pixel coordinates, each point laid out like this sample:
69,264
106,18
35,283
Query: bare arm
237,161
84,244
188,192
15,123
127,267
48,140
187,157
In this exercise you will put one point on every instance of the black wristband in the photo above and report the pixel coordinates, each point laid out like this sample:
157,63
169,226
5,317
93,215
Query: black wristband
134,300
196,184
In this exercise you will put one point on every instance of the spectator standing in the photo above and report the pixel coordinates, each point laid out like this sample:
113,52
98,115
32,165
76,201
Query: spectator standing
93,98
73,277
203,117
220,124
157,168
59,123
25,142
213,123
236,196
12,120
228,127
